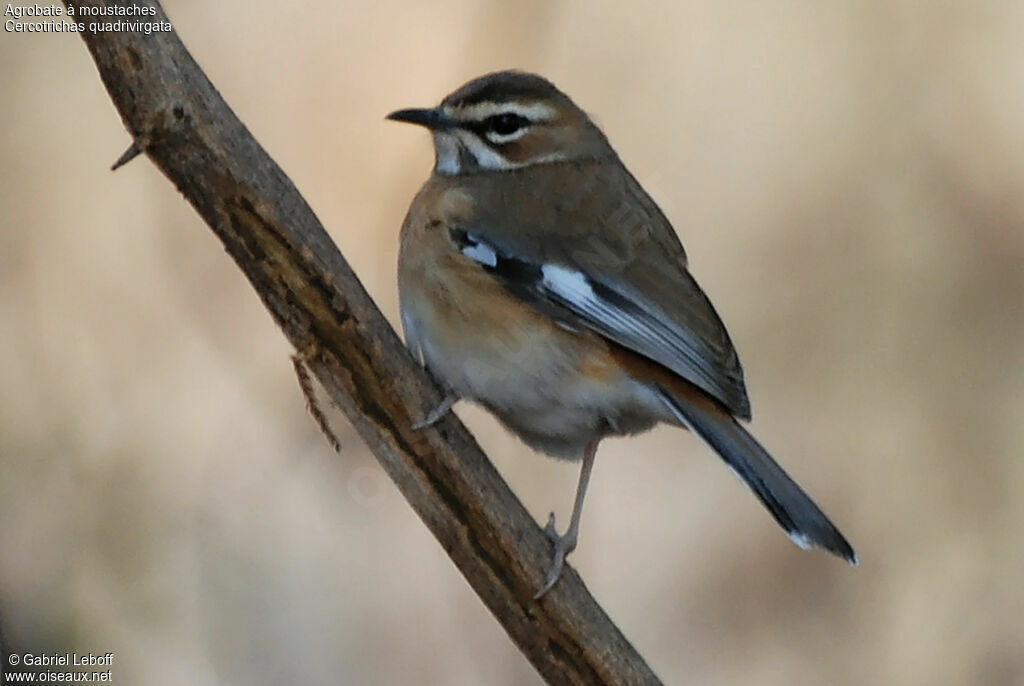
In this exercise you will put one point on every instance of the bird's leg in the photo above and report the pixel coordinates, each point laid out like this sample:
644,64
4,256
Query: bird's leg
566,543
435,415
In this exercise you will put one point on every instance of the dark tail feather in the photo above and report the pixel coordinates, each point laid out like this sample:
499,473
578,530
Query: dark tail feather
793,509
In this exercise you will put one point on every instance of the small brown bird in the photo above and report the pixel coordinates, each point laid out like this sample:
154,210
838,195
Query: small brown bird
538,279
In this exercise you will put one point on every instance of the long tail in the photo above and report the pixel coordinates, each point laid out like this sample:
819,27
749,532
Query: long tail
793,509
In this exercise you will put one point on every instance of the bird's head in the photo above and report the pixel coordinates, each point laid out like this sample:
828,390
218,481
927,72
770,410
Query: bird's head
507,120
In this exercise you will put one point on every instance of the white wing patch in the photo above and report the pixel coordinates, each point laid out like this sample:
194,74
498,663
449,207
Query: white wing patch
481,253
634,324
568,284
574,289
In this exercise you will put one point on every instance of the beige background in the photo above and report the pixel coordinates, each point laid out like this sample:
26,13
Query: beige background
849,181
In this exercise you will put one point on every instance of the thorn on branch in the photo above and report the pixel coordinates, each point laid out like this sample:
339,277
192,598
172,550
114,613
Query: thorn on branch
130,154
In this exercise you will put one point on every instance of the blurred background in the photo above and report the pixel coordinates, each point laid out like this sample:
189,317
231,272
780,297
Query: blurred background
848,179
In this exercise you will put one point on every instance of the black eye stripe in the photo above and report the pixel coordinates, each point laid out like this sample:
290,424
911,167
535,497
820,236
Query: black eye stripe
502,124
506,123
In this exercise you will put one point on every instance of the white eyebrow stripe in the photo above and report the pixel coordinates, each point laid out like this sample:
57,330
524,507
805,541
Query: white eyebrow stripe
534,111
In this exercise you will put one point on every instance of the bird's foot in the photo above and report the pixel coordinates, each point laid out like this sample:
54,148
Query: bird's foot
435,415
563,546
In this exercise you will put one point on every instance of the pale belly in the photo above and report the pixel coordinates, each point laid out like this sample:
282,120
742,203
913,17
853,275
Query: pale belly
556,389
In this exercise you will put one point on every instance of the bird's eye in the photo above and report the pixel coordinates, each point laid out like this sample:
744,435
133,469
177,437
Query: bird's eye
505,124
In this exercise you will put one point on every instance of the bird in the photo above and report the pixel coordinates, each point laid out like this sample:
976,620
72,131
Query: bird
539,280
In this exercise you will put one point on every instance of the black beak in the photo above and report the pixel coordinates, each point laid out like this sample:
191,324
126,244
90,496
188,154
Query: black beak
433,119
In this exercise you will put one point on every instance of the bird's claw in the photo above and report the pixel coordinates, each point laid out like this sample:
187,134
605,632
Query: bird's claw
550,530
436,414
563,546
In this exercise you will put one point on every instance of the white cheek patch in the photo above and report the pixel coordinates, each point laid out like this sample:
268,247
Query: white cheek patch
484,155
450,144
489,158
446,147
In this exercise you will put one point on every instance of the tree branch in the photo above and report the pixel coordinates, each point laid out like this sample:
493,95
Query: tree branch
178,119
